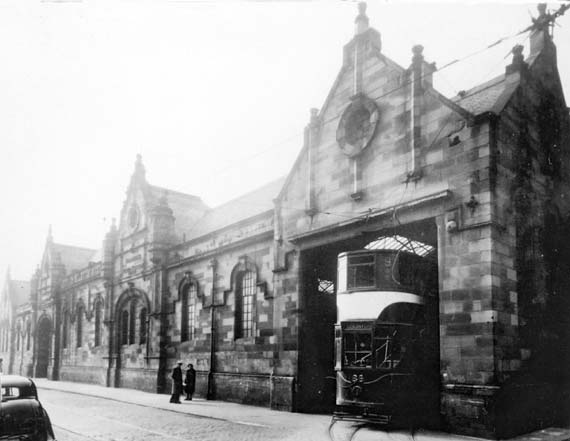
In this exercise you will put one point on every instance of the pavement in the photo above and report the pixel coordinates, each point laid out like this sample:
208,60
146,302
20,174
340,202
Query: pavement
254,415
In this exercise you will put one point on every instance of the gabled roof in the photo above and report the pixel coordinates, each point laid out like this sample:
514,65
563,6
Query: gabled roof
19,291
244,207
73,258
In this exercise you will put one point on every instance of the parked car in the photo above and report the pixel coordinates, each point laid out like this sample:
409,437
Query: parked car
22,416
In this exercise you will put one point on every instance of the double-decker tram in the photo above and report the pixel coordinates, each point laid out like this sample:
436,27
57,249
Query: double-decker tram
386,338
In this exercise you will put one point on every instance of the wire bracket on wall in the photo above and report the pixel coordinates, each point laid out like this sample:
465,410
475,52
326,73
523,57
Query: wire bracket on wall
472,204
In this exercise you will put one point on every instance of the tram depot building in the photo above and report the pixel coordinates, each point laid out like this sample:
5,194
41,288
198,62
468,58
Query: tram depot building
246,291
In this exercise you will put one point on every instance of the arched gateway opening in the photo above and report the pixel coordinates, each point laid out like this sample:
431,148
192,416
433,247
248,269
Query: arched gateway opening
44,334
409,245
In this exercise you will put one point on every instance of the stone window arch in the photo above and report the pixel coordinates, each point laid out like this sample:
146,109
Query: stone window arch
188,301
246,288
244,281
132,312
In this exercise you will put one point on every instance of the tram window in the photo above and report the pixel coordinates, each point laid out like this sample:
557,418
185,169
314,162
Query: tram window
361,271
357,349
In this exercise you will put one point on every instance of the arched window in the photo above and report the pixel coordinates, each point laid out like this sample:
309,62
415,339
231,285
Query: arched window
188,317
65,329
133,322
124,327
245,291
28,333
98,309
142,326
79,326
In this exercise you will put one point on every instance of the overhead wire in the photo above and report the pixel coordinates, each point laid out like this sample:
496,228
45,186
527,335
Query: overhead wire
383,95
364,214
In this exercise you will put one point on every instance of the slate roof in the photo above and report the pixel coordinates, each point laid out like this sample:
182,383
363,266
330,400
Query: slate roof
19,292
244,207
491,96
186,208
73,258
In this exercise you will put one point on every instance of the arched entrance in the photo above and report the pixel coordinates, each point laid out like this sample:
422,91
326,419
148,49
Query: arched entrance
44,333
131,337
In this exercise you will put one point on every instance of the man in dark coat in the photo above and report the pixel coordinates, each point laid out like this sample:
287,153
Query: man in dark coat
176,383
190,381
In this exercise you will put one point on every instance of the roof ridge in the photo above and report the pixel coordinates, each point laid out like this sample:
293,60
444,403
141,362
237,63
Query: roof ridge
74,246
480,87
169,190
249,193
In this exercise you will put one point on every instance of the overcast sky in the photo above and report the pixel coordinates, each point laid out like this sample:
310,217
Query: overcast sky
213,94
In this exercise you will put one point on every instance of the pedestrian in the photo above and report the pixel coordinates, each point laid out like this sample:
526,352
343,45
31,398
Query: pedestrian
176,383
190,381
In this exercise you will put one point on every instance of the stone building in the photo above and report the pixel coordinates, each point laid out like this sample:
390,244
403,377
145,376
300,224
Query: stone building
245,291
15,326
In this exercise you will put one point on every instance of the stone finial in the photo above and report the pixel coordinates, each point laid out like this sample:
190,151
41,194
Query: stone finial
49,235
517,52
314,116
418,51
361,21
139,168
518,64
541,22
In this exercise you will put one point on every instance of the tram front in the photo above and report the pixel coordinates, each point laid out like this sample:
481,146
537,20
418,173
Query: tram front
384,340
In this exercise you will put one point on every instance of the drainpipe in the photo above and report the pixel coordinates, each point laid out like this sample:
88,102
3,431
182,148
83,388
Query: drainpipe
57,337
311,133
211,395
164,317
416,109
110,328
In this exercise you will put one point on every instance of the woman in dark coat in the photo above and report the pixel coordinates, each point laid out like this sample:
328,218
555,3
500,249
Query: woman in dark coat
190,381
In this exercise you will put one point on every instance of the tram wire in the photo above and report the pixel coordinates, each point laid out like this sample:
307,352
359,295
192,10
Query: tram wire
389,92
365,214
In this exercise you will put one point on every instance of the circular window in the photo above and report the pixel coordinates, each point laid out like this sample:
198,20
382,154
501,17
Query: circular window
357,125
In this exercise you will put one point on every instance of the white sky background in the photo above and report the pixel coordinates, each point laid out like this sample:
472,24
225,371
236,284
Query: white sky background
213,94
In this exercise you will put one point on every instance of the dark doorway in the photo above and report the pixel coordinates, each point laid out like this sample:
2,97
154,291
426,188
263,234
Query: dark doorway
44,333
316,387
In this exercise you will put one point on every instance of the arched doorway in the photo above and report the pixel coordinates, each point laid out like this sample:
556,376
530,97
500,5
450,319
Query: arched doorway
131,337
44,333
